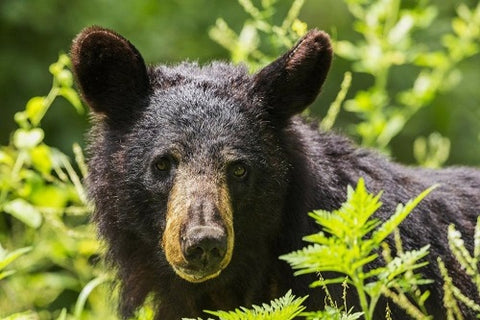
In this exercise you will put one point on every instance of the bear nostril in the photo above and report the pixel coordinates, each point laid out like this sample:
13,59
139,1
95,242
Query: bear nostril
204,247
194,254
215,252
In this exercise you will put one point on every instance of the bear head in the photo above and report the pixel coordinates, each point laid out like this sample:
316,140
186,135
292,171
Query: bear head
187,171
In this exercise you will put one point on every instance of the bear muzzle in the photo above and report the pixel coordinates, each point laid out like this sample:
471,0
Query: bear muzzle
198,239
204,247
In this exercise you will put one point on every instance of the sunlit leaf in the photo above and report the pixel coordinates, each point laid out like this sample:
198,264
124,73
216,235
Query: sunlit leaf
401,212
346,49
41,160
284,308
24,211
26,139
53,196
29,315
7,258
86,291
35,109
65,78
5,158
72,96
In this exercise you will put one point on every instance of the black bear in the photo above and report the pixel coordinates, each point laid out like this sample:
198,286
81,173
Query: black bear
202,176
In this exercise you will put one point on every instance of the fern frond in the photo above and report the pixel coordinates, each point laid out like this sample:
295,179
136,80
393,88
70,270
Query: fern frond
449,301
457,247
331,313
476,242
401,212
284,308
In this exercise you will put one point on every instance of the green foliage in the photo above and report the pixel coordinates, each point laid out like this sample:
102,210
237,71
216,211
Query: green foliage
431,152
386,47
43,207
331,310
144,313
468,263
260,40
36,178
332,313
7,258
387,43
284,308
350,239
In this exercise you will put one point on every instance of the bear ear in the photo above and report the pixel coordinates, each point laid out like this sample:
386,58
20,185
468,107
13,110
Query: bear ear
290,83
110,72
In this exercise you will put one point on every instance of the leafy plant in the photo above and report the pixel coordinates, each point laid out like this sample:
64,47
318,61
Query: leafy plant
350,239
7,258
284,308
387,31
260,40
331,310
36,178
43,207
431,152
468,263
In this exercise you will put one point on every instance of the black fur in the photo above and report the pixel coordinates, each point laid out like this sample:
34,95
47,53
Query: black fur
207,117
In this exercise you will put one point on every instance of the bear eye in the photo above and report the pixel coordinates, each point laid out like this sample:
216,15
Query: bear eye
239,170
163,164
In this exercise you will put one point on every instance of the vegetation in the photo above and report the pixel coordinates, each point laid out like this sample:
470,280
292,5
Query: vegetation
350,239
44,211
49,255
284,308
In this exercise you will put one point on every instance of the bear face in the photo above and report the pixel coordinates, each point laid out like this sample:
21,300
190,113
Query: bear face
186,153
183,158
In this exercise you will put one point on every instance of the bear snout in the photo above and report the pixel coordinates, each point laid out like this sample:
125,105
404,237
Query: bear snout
198,239
204,247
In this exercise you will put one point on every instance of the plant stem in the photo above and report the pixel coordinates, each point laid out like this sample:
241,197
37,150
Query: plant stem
359,285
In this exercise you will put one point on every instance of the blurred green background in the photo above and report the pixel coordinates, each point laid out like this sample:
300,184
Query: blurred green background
33,32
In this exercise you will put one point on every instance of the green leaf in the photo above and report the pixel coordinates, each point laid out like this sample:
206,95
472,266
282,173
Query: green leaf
476,239
65,78
82,298
432,59
72,96
35,109
347,50
400,214
332,313
8,258
24,211
55,68
53,196
393,126
401,30
284,308
27,139
41,160
21,119
405,262
63,315
29,315
326,282
460,27
6,158
5,274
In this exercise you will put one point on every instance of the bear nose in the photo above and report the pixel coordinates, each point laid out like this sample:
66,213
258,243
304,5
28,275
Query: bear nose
204,247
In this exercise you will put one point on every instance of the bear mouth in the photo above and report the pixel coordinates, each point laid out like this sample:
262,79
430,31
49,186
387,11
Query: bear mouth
196,275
